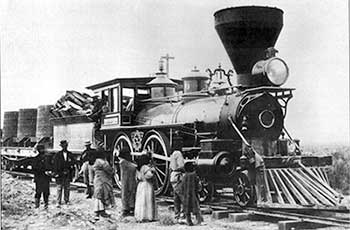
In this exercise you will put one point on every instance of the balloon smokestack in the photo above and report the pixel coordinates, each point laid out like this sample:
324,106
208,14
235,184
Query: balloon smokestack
246,33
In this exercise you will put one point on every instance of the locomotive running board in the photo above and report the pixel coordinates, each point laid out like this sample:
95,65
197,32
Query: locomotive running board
300,187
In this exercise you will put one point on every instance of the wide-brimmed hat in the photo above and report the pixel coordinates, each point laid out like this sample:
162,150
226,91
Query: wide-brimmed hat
87,143
125,154
63,142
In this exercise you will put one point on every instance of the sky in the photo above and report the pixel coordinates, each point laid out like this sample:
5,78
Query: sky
48,47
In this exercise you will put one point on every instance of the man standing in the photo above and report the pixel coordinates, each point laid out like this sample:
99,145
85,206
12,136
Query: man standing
42,178
176,173
87,157
128,181
64,168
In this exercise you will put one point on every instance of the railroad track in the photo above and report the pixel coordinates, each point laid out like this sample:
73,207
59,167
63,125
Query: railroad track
224,207
286,219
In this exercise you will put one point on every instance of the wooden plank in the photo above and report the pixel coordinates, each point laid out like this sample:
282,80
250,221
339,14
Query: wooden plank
278,192
330,196
324,184
320,171
295,191
289,224
324,170
268,192
306,183
220,214
315,172
237,217
301,187
284,188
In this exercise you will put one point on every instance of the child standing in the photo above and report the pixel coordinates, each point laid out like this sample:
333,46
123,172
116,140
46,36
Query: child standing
145,204
190,194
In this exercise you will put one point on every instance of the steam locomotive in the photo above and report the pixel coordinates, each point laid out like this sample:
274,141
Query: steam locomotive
234,132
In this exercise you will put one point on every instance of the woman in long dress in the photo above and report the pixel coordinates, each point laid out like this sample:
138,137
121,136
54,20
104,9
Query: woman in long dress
145,204
103,188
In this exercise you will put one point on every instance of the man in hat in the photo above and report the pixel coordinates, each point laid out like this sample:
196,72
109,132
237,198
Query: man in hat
128,181
88,158
63,163
41,169
42,175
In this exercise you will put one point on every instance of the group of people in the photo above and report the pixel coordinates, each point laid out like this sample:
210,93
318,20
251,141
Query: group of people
138,182
61,167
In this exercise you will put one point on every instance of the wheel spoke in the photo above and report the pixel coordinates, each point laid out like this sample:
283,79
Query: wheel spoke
242,189
122,142
160,171
160,157
158,177
155,144
152,146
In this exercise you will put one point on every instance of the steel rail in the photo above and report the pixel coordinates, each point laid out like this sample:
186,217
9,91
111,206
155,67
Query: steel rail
275,213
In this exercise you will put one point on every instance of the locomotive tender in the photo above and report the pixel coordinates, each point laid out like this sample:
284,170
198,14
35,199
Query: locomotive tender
233,132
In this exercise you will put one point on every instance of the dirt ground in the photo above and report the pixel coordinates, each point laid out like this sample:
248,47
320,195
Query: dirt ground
18,213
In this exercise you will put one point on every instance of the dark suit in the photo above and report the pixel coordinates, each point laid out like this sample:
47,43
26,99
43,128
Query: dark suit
42,181
64,169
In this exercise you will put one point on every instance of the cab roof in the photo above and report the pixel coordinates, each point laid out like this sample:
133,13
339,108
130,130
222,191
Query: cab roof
135,81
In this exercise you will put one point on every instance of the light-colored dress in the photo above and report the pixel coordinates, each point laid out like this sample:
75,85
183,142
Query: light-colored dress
103,188
145,205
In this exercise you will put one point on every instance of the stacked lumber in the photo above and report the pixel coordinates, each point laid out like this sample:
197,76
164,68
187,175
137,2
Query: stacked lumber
74,103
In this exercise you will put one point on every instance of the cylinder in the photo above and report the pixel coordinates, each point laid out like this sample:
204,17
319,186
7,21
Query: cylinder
26,123
44,127
10,124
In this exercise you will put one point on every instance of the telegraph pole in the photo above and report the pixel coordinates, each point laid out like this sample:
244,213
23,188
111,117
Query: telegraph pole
167,58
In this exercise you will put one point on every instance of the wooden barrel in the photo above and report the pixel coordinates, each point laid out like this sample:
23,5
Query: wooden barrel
10,124
44,127
26,123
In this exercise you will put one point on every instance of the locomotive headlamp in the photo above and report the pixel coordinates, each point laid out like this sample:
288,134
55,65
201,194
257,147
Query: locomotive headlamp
274,69
277,71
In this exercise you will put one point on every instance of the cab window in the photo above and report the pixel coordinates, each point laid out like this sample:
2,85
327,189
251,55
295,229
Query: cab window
128,99
105,101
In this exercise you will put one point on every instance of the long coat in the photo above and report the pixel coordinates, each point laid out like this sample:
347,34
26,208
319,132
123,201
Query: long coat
103,187
190,192
128,183
64,169
40,164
